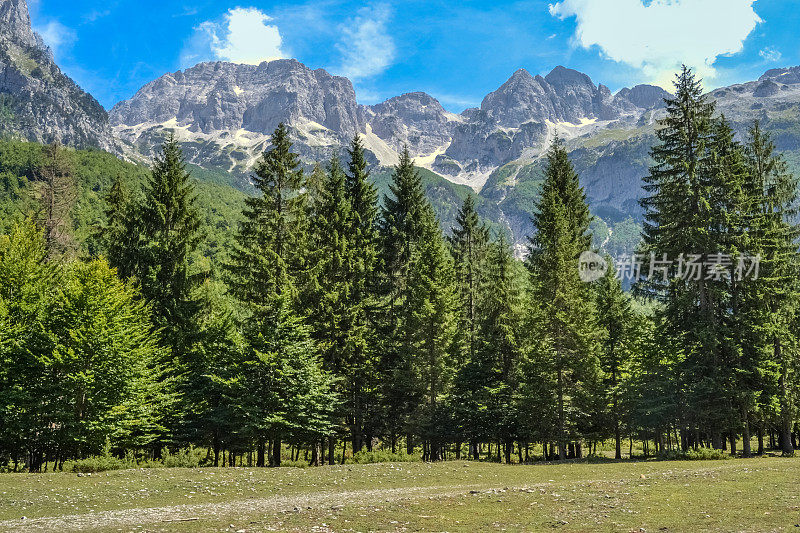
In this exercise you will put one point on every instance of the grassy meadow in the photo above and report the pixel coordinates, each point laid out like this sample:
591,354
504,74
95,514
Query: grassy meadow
759,494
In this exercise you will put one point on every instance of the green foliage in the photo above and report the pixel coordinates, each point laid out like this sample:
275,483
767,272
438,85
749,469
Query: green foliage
99,463
184,458
341,317
701,454
95,173
266,260
567,343
82,358
381,456
282,389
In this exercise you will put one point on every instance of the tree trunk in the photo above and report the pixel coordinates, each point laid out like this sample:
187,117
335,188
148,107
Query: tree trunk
276,452
746,451
260,454
785,428
315,453
562,437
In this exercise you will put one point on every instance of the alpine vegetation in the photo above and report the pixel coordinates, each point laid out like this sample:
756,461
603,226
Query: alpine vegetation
322,322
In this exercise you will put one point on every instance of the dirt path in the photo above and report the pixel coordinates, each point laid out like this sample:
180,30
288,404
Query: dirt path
177,513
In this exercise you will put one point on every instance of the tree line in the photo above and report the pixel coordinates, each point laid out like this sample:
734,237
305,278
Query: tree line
340,322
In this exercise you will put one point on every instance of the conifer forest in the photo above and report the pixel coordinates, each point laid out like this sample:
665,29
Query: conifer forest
317,320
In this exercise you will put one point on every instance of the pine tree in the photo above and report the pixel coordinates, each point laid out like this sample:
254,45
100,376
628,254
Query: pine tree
770,300
694,218
167,222
729,207
362,270
401,229
267,261
118,237
469,244
284,391
617,320
428,330
567,311
333,313
500,343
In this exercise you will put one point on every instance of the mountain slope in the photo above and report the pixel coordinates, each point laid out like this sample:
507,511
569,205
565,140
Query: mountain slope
224,113
37,101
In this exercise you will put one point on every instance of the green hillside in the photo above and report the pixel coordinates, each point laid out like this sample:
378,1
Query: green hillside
94,172
445,196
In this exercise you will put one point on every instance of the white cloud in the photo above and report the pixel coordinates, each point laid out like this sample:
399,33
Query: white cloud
57,36
770,54
660,35
243,36
367,48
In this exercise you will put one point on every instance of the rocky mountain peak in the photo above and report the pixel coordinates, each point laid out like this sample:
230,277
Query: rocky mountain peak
644,96
221,96
41,103
415,119
789,75
561,78
15,24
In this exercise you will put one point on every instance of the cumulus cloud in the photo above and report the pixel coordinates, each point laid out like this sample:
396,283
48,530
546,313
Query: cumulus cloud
57,36
770,54
659,35
242,36
366,47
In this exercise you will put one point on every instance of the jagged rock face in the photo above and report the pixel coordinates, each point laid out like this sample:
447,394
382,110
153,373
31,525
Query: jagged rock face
414,119
236,108
643,96
224,113
481,144
766,89
789,75
212,97
37,101
564,95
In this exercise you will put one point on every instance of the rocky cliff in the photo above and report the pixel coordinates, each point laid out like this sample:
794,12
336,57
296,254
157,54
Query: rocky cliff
37,101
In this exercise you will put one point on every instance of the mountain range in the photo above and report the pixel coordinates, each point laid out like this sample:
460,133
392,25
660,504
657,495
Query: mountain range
224,113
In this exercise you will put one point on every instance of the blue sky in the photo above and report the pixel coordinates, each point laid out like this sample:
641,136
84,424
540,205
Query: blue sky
456,51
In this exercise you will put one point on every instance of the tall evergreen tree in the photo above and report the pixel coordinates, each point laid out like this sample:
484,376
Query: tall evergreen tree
401,229
617,320
362,271
167,222
333,313
428,330
265,263
114,237
469,244
568,328
770,300
284,383
693,209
